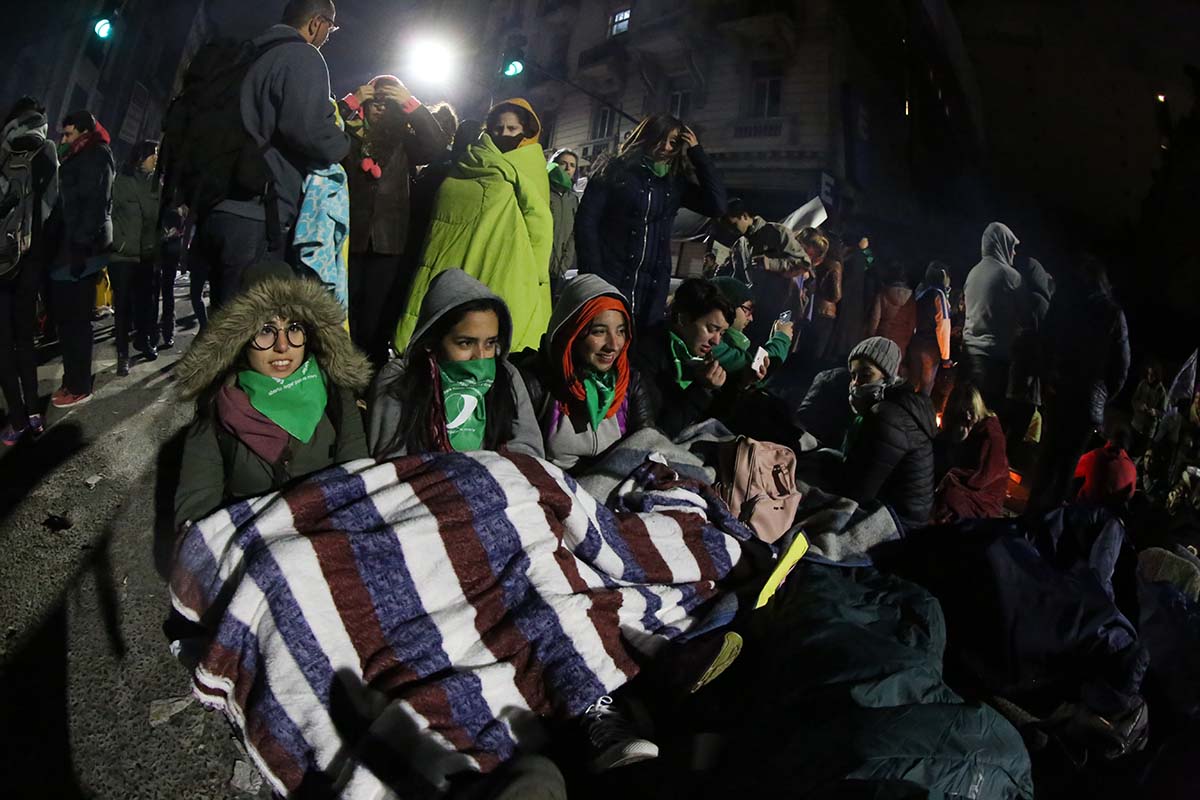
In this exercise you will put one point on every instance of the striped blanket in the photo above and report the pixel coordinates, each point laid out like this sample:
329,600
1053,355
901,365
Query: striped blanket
424,612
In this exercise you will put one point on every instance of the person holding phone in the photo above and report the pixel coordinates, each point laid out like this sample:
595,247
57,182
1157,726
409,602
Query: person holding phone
735,353
623,228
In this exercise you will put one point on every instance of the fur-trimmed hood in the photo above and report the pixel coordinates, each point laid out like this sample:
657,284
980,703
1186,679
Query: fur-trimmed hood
231,328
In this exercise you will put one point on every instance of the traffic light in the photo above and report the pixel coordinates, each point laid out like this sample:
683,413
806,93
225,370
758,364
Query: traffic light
103,28
104,24
512,63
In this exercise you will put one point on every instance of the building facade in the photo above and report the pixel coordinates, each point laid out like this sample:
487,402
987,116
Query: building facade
870,105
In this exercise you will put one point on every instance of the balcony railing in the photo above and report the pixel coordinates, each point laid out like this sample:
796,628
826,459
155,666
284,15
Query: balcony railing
766,128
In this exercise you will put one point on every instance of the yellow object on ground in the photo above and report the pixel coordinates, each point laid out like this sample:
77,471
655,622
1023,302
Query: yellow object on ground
787,563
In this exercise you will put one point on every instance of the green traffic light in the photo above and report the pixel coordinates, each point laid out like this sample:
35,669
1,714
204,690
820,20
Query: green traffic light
514,68
103,28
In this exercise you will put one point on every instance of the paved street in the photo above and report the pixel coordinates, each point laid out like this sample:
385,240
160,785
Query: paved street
84,659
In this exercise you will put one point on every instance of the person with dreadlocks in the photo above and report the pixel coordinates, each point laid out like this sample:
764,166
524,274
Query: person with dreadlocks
391,133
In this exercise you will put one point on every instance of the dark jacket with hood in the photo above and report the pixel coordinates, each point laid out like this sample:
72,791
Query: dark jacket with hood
890,456
447,291
570,441
136,201
623,229
28,133
288,111
996,302
1085,342
82,220
379,207
217,466
1023,380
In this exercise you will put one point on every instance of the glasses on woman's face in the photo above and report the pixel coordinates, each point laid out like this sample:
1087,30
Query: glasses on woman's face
266,338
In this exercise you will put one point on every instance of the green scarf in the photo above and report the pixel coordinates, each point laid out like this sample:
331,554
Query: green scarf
659,168
465,385
682,356
601,387
558,177
295,403
737,339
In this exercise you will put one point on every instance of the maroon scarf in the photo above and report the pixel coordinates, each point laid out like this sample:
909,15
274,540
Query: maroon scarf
251,427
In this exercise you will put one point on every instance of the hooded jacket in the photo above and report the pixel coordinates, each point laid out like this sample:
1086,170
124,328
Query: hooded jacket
491,219
996,304
82,219
136,200
379,207
287,110
564,206
890,458
447,291
218,467
623,230
894,315
1023,380
571,441
28,134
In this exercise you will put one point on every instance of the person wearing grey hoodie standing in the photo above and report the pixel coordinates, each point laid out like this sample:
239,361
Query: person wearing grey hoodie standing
453,388
996,303
287,110
564,205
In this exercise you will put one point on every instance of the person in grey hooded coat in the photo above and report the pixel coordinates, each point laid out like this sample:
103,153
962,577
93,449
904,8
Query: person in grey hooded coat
996,305
460,321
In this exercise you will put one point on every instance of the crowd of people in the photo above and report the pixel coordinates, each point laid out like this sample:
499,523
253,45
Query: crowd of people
468,328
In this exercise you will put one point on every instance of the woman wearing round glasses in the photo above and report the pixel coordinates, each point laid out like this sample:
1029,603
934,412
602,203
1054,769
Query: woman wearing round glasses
275,378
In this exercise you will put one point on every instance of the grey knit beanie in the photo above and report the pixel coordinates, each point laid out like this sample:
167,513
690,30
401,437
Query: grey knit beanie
882,352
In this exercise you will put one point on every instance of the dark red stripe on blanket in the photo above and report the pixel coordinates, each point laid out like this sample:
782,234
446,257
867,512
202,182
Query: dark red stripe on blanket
654,566
604,612
481,587
693,536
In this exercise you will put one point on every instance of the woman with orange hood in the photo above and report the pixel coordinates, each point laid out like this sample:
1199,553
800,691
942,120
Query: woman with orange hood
491,218
584,393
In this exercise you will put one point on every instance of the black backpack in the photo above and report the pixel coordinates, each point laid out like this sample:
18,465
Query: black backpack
206,155
16,208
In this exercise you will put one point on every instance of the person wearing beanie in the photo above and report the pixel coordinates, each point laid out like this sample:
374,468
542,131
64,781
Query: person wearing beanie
584,392
491,219
889,447
275,378
391,135
81,223
735,352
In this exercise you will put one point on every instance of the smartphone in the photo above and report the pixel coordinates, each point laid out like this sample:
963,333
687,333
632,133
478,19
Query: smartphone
786,316
756,365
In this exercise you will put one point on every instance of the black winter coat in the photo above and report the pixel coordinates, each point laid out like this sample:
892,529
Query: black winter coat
674,408
891,456
379,207
82,219
623,228
825,410
1086,340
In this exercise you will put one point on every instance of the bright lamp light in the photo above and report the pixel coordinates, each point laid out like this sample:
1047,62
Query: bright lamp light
103,28
431,61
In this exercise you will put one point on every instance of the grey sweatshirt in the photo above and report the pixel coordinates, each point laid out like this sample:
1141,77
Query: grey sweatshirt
997,304
286,103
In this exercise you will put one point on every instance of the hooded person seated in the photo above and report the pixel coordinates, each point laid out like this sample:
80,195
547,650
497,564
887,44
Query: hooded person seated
274,376
453,389
584,392
889,447
1107,475
686,383
976,481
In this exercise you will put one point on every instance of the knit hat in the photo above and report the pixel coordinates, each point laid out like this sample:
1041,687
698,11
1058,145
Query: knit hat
882,352
734,290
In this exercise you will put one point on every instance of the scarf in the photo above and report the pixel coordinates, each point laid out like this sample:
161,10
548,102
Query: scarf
737,339
558,177
659,168
575,389
465,385
295,403
76,147
265,439
601,390
682,355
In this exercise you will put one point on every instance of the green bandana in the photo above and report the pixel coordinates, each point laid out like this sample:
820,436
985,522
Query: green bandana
601,387
737,339
465,385
558,177
659,168
295,403
682,356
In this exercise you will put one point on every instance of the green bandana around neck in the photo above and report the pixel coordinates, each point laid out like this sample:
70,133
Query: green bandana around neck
682,356
295,403
601,388
559,178
737,339
465,385
659,168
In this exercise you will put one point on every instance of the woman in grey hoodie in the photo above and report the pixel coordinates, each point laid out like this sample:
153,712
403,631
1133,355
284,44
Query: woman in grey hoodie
452,388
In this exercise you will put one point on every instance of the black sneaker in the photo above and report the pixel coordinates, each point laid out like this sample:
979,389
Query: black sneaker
613,739
167,343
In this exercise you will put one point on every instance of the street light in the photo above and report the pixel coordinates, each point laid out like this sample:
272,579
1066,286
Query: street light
1162,98
432,60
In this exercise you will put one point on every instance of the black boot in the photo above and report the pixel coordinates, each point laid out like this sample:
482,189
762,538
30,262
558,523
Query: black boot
122,366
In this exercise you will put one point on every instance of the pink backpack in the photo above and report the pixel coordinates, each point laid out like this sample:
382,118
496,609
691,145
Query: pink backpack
758,482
